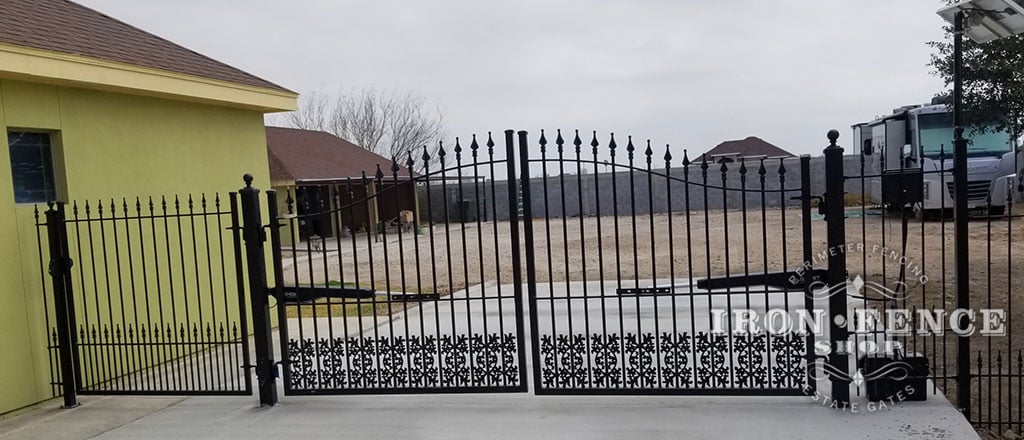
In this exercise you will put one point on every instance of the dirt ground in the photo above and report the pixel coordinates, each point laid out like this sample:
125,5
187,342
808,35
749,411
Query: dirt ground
680,246
448,257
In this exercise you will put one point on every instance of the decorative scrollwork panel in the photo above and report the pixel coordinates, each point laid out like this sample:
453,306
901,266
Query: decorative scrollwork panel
427,362
672,361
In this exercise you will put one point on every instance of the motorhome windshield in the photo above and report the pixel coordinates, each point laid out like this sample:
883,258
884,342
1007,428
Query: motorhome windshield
936,134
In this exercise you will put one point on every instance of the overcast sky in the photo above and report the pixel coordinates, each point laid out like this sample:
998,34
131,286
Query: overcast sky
691,73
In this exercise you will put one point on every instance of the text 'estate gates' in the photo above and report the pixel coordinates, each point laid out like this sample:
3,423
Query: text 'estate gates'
557,265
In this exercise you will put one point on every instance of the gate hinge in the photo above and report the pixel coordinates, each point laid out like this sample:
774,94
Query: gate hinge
822,202
56,267
820,199
257,234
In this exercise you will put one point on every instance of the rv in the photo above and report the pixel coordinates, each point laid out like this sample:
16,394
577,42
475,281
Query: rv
908,157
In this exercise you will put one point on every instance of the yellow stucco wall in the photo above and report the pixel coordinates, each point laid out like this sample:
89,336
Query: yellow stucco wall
106,145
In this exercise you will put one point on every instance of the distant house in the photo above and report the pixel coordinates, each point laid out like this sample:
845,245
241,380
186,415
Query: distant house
324,175
750,148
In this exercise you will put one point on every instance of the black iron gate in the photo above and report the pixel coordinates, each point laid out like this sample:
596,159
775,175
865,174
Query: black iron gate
638,266
434,299
429,300
147,297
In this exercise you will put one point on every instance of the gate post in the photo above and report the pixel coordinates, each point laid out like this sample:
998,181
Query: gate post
805,211
963,284
275,257
60,266
835,215
962,274
254,235
519,193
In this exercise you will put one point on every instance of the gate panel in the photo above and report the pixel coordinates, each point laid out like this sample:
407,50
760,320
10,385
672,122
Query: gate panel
638,266
424,296
153,298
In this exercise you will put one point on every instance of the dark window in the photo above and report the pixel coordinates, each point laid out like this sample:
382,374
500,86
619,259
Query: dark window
31,167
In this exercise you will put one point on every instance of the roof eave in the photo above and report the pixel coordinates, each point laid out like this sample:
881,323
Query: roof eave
36,65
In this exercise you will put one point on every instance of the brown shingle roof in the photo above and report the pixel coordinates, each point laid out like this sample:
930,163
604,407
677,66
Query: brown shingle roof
751,146
312,155
64,26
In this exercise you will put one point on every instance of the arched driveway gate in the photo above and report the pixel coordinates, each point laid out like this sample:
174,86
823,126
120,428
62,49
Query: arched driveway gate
626,269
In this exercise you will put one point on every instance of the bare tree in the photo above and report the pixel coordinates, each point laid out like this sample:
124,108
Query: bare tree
389,123
312,112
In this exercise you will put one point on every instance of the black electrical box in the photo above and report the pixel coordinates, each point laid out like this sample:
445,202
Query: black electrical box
896,377
902,187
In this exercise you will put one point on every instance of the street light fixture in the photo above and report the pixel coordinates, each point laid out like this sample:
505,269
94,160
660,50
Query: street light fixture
982,21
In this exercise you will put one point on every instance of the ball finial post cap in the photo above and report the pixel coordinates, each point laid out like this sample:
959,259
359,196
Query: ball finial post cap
833,136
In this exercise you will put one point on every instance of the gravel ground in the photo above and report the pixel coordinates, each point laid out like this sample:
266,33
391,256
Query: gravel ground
573,250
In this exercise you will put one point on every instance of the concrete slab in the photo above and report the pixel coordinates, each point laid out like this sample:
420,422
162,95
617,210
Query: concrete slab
96,415
521,416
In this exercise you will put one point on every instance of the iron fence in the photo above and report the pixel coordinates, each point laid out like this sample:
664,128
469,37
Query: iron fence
910,263
147,297
629,288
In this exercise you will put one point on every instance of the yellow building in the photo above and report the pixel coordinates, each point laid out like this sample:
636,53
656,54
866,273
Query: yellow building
94,109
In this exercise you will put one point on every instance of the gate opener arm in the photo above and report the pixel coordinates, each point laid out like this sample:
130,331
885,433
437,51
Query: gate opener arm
781,280
296,295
